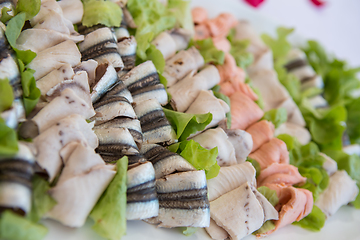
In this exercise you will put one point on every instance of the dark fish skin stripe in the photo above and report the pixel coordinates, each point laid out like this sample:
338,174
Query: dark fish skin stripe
148,80
104,51
145,195
4,52
17,88
189,204
114,148
17,178
307,79
138,136
147,89
15,209
155,151
295,64
149,184
129,62
161,157
155,124
113,158
85,30
151,116
109,100
16,165
118,87
183,195
99,46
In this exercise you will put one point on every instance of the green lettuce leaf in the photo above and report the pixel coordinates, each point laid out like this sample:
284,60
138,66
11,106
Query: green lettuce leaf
317,57
8,140
6,95
103,12
29,7
280,46
255,164
186,124
42,202
6,14
182,11
188,231
267,226
201,158
314,221
269,194
156,57
326,126
227,100
352,121
209,52
14,227
239,51
152,18
276,116
109,212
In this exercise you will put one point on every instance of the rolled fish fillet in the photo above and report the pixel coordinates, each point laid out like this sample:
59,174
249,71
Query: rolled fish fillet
218,138
261,132
230,178
38,40
207,102
83,180
184,92
55,57
57,22
182,64
242,142
301,133
244,111
340,191
294,204
274,151
54,77
67,103
72,10
263,62
46,8
127,50
277,173
101,45
294,114
79,84
271,90
165,162
183,200
329,164
142,201
106,77
64,131
238,212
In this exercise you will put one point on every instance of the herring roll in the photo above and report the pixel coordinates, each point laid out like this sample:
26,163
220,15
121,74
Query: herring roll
101,46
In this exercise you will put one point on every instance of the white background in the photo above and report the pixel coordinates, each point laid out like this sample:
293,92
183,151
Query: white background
336,25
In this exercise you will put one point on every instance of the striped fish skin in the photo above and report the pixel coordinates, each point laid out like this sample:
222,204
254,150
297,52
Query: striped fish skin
133,125
119,89
165,162
157,92
143,75
142,201
101,46
127,50
111,108
183,200
15,181
156,128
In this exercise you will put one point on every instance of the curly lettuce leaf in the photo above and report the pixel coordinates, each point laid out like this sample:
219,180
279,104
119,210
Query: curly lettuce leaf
317,57
269,194
352,121
156,57
255,164
280,46
314,221
6,95
14,227
239,51
186,124
109,212
103,12
201,158
6,14
188,231
8,140
276,116
208,51
182,11
42,202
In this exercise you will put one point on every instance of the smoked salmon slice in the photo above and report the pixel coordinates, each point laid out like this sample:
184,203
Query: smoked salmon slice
274,151
280,173
261,132
221,25
294,204
244,111
228,70
199,15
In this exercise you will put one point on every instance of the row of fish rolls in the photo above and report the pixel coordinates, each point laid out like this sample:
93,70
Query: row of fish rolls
182,191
